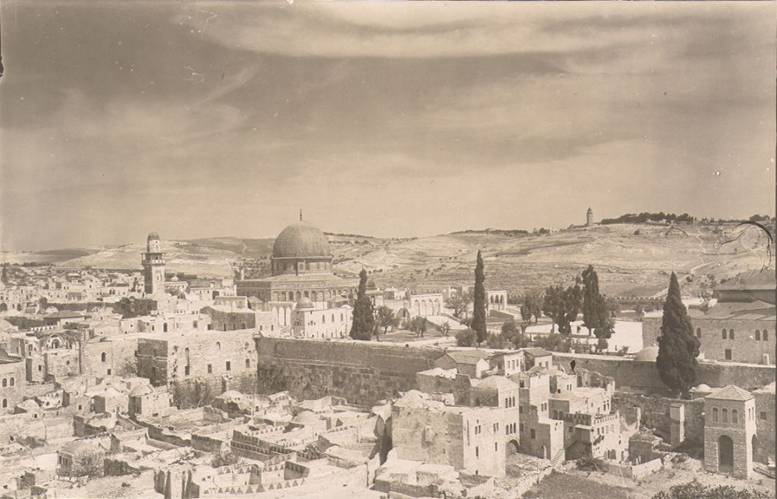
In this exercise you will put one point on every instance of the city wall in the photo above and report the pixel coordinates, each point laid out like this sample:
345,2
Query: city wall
643,375
361,372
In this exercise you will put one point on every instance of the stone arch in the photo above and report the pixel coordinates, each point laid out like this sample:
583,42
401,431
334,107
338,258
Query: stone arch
512,447
725,454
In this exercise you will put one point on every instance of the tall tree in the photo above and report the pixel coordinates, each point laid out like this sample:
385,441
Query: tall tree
363,318
552,305
479,301
591,318
677,345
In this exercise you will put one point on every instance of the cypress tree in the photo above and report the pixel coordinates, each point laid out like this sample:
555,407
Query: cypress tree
590,297
363,318
677,346
479,301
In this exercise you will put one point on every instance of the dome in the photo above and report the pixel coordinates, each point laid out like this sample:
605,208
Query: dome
300,240
153,236
647,354
704,388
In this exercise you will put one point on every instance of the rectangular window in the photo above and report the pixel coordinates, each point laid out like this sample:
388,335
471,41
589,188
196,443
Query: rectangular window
210,368
229,366
533,434
728,354
715,415
477,452
186,370
725,415
763,415
248,363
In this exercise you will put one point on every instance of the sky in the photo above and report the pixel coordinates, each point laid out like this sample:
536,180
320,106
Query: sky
388,119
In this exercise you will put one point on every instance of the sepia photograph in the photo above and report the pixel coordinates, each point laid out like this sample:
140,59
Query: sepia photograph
386,249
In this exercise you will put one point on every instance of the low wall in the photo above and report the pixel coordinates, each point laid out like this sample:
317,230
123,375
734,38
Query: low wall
643,375
361,372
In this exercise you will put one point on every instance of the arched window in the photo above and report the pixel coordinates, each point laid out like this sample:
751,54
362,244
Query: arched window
5,382
757,335
13,381
103,357
725,416
714,414
731,334
723,333
218,346
5,403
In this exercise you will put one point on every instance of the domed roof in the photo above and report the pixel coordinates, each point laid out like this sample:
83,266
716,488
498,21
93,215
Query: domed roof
153,236
647,354
300,240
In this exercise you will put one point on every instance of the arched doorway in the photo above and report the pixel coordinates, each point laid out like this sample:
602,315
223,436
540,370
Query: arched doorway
512,447
725,454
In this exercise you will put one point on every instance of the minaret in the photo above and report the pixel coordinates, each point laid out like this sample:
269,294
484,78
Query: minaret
153,266
589,217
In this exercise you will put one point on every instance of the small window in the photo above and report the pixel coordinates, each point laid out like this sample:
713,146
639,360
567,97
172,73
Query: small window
734,416
248,363
477,452
728,354
108,372
12,381
5,403
5,382
725,416
533,434
210,368
765,335
731,334
186,370
229,366
723,333
715,415
757,335
763,415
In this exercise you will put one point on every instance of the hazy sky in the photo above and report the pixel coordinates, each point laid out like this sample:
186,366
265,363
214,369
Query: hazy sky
195,120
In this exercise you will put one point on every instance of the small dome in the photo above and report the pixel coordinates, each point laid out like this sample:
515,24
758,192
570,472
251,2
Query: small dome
153,236
647,354
702,388
301,240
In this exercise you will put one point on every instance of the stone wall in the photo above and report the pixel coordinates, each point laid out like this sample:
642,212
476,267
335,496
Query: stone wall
12,384
643,375
361,372
655,413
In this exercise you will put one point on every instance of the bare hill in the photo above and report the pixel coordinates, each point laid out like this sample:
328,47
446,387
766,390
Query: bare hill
630,259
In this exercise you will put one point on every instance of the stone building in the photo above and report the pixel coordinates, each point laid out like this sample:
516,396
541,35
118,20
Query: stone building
320,322
467,438
730,431
153,267
739,327
764,445
589,217
220,358
301,267
496,300
12,381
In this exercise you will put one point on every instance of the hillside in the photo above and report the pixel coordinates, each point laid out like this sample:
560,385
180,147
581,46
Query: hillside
631,259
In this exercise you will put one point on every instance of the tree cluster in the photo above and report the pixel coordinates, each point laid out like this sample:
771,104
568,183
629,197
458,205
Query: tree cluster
459,303
532,306
562,305
134,307
597,309
640,218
